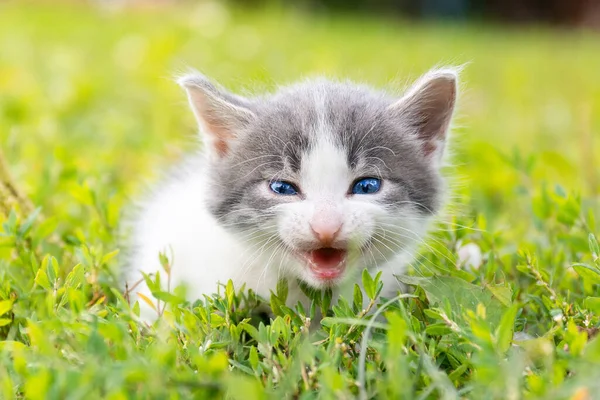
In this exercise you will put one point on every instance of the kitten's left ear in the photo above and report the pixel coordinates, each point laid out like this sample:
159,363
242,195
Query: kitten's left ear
427,108
221,115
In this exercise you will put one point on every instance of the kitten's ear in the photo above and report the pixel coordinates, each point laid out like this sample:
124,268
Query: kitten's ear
428,107
220,114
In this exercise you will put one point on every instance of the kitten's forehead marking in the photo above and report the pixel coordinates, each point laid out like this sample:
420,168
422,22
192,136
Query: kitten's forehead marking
325,172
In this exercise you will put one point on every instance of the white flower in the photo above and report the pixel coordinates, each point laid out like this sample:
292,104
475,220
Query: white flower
470,255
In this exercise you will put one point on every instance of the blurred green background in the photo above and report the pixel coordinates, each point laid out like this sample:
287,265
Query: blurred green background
89,111
90,114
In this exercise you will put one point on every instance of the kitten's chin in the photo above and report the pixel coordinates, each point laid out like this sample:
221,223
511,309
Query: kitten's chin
326,265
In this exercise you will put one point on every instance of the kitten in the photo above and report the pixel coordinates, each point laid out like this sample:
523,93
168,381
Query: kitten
313,183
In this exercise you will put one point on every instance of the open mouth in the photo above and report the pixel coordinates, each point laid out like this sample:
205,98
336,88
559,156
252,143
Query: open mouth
326,263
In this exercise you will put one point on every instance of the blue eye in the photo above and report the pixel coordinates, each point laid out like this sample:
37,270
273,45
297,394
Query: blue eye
366,186
283,188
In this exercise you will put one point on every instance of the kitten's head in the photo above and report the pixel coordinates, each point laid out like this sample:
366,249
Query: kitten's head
325,178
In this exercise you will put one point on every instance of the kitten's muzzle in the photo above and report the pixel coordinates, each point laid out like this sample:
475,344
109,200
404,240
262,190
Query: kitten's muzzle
326,263
326,226
326,255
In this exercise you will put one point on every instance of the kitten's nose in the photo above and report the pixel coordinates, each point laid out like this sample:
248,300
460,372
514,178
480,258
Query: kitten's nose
326,226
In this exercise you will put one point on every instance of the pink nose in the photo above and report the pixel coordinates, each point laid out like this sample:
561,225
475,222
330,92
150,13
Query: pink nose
326,226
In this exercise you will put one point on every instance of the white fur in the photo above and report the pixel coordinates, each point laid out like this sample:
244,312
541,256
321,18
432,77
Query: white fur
176,221
204,254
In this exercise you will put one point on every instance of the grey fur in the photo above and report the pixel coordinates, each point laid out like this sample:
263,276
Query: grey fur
383,135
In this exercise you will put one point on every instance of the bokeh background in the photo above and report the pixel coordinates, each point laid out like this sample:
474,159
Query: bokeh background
89,111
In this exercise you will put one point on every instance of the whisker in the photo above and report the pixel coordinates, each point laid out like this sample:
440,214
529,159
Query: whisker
422,241
253,159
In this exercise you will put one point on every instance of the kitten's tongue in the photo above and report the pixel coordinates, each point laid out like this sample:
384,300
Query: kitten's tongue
327,263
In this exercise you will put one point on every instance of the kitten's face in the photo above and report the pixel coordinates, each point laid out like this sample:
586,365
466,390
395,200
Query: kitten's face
323,179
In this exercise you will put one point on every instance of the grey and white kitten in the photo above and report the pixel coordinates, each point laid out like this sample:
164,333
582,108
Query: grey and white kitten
312,183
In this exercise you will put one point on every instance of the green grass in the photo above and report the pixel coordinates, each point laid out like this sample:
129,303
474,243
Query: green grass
89,113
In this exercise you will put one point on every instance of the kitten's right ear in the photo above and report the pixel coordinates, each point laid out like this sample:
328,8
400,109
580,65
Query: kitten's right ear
428,108
220,114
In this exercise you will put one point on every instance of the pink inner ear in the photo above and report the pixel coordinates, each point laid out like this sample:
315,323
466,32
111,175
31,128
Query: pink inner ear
430,106
429,147
220,136
218,115
221,147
